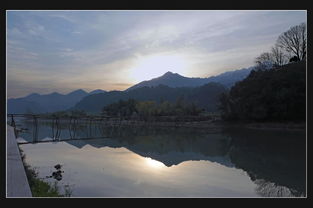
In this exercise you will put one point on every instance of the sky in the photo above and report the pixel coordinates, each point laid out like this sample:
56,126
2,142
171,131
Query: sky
61,51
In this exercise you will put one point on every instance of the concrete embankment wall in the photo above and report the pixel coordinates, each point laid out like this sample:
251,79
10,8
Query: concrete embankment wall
17,183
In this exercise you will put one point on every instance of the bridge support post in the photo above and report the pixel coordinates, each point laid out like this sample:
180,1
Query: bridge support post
12,121
35,129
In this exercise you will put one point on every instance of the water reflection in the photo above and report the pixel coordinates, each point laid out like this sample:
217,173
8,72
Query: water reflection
276,157
270,189
274,161
154,163
57,174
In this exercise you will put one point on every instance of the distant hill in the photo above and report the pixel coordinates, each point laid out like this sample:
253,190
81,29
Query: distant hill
36,103
20,105
172,80
205,96
228,79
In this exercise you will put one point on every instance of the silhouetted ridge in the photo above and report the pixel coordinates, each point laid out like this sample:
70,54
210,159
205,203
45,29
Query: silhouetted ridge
97,91
171,79
205,96
35,103
277,94
78,92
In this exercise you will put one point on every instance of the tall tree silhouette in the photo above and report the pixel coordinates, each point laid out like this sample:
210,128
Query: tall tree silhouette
294,41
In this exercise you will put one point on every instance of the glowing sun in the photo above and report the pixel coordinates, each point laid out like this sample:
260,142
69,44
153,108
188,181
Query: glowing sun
154,163
148,67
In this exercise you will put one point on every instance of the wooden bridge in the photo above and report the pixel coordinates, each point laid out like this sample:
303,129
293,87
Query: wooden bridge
101,121
73,122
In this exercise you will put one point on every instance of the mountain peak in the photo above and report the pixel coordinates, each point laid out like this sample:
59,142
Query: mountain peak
79,90
32,95
171,74
176,80
76,92
97,91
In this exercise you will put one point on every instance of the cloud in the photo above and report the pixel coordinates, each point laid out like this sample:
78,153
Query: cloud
61,15
86,48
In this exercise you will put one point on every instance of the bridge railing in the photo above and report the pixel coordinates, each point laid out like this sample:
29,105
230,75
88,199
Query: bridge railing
55,125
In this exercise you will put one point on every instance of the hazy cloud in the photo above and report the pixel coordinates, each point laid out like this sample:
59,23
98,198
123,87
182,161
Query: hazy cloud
65,50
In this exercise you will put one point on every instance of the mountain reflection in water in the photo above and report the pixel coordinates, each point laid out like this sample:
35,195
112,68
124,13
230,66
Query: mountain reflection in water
274,160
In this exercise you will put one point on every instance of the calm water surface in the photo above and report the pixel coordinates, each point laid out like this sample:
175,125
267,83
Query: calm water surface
155,162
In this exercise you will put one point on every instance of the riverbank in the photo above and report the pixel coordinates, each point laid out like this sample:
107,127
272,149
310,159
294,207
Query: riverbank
176,122
17,183
22,180
40,187
282,126
267,125
216,124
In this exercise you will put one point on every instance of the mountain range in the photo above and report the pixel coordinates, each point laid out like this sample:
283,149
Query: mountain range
228,79
165,89
36,103
205,96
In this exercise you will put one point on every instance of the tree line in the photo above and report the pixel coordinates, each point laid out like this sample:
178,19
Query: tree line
146,109
270,95
290,46
275,93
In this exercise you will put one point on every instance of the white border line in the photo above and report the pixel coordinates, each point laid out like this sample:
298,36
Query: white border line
6,16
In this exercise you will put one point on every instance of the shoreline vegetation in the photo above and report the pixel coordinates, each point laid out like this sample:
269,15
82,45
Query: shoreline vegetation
41,188
269,125
208,122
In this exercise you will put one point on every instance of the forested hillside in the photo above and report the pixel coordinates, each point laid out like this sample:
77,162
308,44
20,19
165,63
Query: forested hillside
206,96
277,94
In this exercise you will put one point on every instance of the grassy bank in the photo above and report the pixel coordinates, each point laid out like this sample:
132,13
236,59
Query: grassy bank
41,188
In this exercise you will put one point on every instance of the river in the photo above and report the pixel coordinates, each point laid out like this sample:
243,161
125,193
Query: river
171,162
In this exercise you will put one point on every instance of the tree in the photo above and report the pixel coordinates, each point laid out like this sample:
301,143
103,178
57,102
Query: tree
264,60
274,58
146,109
122,108
294,41
224,106
277,55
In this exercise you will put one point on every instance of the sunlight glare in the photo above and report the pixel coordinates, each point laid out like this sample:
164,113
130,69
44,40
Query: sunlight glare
154,163
149,67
